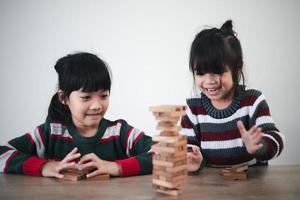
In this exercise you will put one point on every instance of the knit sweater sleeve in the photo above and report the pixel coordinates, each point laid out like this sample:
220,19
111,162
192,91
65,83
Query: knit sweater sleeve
137,146
24,154
272,138
189,124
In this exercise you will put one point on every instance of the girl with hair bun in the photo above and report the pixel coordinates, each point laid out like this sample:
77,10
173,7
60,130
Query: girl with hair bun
226,123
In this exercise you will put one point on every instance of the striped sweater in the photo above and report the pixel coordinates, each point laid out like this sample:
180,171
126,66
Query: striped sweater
115,141
216,132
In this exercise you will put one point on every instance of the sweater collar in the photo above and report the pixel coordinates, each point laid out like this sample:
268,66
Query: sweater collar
223,113
74,133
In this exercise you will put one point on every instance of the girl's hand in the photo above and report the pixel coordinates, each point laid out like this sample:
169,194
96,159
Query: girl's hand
52,168
251,137
102,166
194,159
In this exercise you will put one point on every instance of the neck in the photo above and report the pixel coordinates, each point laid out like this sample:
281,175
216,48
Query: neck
87,131
220,105
84,130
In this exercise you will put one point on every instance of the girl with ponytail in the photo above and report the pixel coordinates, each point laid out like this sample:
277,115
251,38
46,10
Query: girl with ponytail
226,124
76,134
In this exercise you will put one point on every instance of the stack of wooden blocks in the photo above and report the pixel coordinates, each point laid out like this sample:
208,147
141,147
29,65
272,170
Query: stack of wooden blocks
78,173
170,151
236,172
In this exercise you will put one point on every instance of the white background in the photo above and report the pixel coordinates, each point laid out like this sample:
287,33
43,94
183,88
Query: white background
146,43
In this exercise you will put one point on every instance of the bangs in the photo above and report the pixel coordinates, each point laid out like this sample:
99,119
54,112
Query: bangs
208,56
87,73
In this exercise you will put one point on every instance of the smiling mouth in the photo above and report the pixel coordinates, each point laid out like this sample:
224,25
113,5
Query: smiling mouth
94,114
212,91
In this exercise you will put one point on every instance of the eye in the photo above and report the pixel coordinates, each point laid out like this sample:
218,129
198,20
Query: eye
85,97
104,96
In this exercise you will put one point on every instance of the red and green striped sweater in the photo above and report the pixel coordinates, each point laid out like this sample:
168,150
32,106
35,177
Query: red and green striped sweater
115,141
216,132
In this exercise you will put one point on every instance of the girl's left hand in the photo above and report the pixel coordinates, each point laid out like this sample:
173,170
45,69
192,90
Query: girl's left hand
251,137
102,166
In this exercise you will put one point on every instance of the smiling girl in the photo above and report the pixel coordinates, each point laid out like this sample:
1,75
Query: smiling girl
76,131
226,123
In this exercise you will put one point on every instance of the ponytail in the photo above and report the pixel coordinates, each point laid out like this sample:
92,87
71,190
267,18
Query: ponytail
58,112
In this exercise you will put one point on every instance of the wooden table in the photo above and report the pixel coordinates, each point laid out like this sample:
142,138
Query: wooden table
273,182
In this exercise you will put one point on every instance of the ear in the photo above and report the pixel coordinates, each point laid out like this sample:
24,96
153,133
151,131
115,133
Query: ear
62,98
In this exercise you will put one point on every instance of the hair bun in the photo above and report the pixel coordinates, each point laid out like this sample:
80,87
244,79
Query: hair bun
61,64
227,28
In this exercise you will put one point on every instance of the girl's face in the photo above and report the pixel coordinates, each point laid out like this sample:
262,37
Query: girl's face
219,88
87,108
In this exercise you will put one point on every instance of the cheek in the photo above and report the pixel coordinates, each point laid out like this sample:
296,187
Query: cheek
76,109
227,80
105,105
198,82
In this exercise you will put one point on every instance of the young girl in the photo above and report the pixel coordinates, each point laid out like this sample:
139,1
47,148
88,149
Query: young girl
76,131
226,124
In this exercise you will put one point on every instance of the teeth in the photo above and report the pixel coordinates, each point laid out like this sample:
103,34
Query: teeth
211,90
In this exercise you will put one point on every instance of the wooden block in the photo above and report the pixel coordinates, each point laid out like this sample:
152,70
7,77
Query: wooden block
169,129
236,172
169,133
169,114
173,192
168,119
166,139
163,163
99,177
166,124
235,176
168,191
165,183
70,176
241,168
76,175
167,108
179,179
159,173
177,168
158,149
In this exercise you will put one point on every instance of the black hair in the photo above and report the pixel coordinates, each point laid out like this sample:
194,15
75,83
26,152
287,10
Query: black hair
77,71
214,49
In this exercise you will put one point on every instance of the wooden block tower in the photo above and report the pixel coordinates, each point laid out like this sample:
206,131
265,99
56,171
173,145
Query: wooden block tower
169,159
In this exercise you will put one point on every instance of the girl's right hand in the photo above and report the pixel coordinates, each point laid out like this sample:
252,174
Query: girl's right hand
52,168
194,159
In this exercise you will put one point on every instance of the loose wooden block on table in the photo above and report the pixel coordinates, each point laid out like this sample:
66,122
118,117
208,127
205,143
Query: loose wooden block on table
76,175
236,172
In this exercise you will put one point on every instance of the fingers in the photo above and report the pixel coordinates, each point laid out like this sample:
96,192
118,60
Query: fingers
58,175
73,155
87,158
72,152
257,136
196,149
241,127
192,157
90,164
65,165
94,173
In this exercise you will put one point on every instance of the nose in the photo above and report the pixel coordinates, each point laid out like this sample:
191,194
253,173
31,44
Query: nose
212,78
96,105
